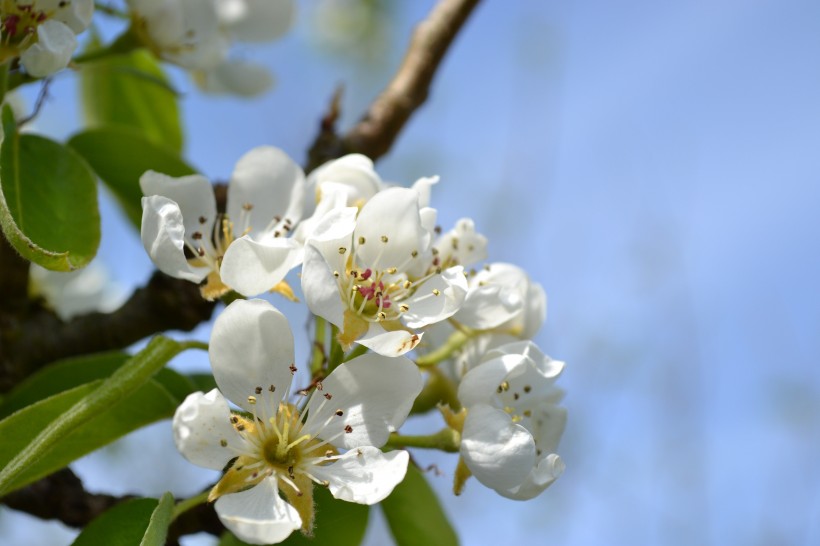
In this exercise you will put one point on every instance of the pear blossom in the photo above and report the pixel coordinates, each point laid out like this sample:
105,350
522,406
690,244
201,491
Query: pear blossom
246,249
367,272
43,32
281,448
513,423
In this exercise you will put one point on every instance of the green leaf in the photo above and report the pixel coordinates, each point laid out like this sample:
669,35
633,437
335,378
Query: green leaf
338,523
142,522
132,91
73,372
203,381
82,425
160,520
120,156
414,514
48,200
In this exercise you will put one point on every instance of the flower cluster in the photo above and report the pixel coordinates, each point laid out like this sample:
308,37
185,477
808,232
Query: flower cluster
42,32
393,285
197,35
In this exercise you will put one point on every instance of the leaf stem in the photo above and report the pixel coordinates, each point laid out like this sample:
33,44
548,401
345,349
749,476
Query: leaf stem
186,504
446,439
455,342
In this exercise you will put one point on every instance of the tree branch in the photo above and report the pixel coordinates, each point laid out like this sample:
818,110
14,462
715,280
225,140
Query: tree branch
163,304
375,133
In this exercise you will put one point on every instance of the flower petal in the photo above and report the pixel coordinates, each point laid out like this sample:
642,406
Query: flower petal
498,452
320,288
374,393
481,384
52,51
364,475
270,182
427,307
389,343
542,476
391,226
354,173
251,268
235,77
258,515
201,424
490,305
256,20
163,235
252,346
193,194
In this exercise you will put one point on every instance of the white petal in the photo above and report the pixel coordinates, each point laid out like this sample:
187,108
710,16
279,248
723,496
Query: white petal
272,183
498,452
251,268
201,424
490,305
364,475
428,308
542,476
235,77
252,346
375,394
163,235
333,196
394,343
480,384
332,236
423,187
391,215
320,288
193,194
257,20
52,51
462,244
353,172
535,311
76,14
258,515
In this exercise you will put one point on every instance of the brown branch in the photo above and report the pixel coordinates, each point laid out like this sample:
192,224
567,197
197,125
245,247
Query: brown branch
61,496
13,279
375,133
163,304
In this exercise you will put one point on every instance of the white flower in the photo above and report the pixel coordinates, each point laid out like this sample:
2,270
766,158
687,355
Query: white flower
246,249
513,423
353,172
184,32
368,274
77,292
331,440
256,20
42,32
234,77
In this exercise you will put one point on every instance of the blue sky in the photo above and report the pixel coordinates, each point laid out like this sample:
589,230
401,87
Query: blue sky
654,165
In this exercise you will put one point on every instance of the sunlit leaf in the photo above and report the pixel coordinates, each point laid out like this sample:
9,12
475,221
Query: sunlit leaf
137,522
120,156
48,200
414,514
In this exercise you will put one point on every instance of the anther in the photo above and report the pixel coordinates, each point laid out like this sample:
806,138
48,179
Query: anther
223,443
258,390
527,388
196,236
328,395
392,271
251,399
319,386
202,219
414,253
382,315
329,453
234,419
247,206
361,240
272,388
407,284
292,368
339,412
516,396
437,229
404,307
434,250
240,427
342,250
348,429
527,413
384,238
436,291
336,274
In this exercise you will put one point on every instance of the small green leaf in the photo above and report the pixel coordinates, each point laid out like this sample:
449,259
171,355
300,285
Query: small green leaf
73,372
203,381
132,91
48,200
160,520
120,156
137,522
414,514
338,523
27,452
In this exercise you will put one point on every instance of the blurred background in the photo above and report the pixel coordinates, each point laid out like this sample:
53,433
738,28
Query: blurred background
655,165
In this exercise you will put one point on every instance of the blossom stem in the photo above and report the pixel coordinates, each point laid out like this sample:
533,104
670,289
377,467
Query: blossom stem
186,504
4,80
439,388
455,342
357,351
336,351
319,339
446,439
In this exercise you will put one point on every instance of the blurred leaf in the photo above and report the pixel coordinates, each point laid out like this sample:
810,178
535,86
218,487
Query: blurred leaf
338,523
72,372
48,200
132,91
125,401
120,156
203,381
142,522
414,514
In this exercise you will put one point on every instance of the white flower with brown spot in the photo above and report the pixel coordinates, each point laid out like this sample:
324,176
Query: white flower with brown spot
513,422
279,447
367,272
248,248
